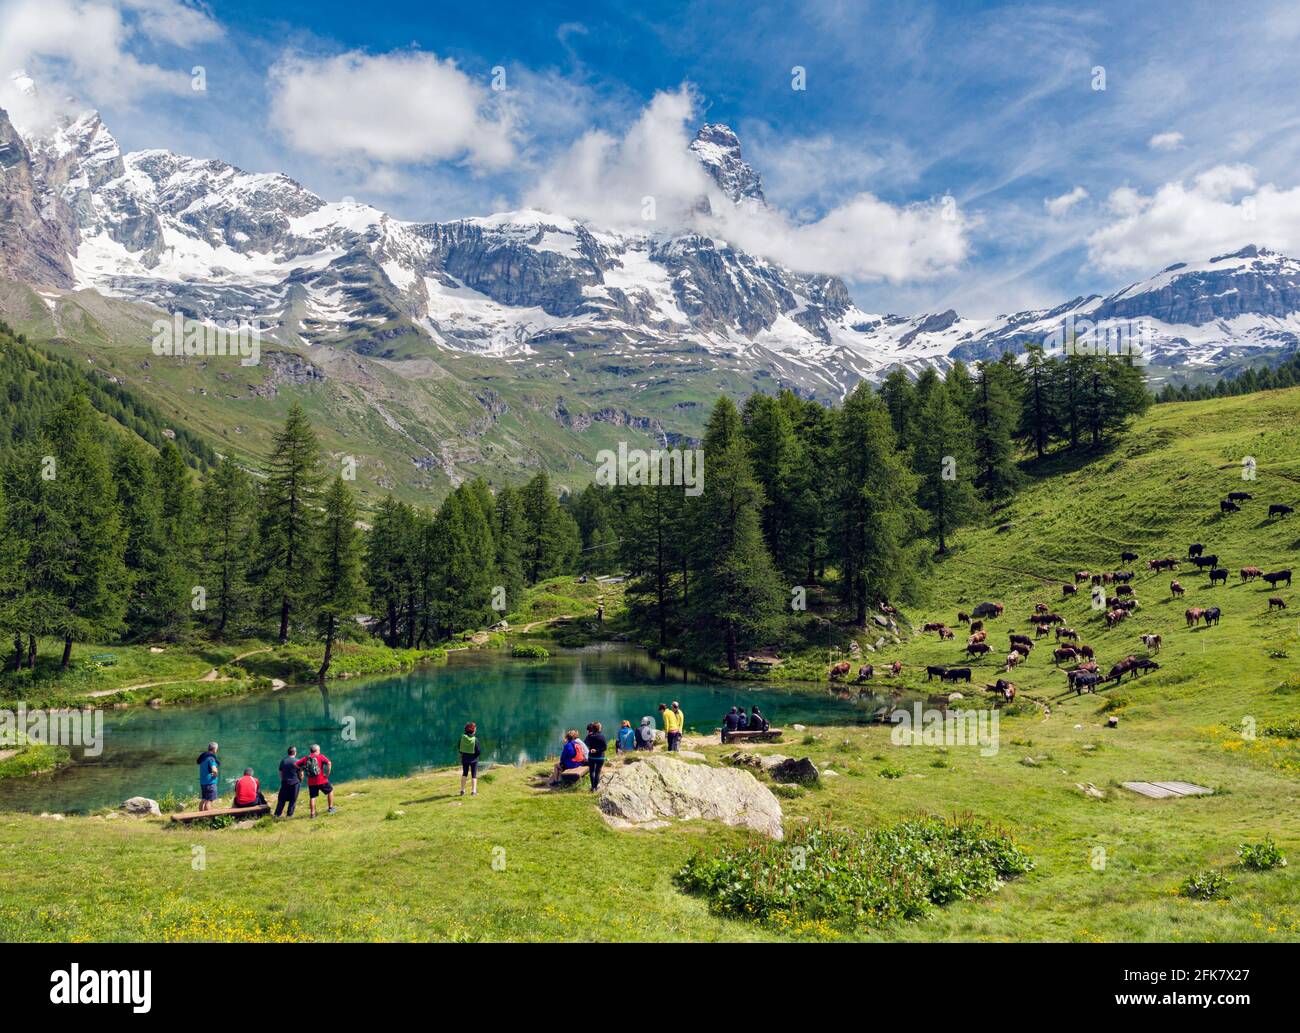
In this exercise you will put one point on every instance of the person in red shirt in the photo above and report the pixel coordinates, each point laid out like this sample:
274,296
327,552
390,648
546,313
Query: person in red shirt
317,767
248,791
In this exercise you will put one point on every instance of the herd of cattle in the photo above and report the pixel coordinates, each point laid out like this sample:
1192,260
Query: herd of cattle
1083,672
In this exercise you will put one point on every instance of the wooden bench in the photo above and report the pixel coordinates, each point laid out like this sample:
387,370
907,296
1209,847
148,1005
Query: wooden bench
771,735
104,659
223,812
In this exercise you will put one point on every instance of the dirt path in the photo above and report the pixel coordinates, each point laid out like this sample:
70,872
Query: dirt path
211,676
549,620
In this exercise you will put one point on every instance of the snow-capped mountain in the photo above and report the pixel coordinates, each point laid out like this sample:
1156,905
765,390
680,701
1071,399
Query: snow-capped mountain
217,243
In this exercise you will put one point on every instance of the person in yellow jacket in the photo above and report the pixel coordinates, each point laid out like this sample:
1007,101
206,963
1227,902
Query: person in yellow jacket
674,720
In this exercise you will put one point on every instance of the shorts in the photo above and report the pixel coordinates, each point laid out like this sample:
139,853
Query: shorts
324,787
208,792
468,765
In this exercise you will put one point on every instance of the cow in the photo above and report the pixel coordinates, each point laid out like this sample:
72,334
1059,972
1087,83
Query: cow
1113,617
1276,602
1278,576
977,648
1128,557
1003,688
866,672
956,674
1206,561
1069,633
1168,563
1120,669
1082,575
1124,590
1138,667
1278,509
1042,608
1250,573
976,626
1212,615
1069,589
979,636
945,634
1193,616
1195,549
936,670
1023,639
1124,576
886,608
988,610
1152,642
840,669
1240,496
1128,605
1080,680
1041,631
1086,651
1053,618
1219,574
963,618
932,626
896,668
1225,506
1023,648
1012,659
1175,589
1065,653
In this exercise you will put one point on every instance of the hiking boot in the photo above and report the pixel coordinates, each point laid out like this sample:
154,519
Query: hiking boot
331,810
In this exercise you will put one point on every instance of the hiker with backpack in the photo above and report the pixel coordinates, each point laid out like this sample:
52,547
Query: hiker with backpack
470,749
572,755
626,741
596,746
317,768
645,735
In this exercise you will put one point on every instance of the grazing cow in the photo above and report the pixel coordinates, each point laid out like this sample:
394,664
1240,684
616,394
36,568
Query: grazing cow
1229,507
1069,633
1250,573
1124,590
955,674
1041,631
1120,669
945,634
1023,648
1124,576
866,672
1080,680
988,610
1175,589
1065,653
976,626
963,618
1042,608
1142,666
1012,659
1212,615
1016,637
1276,602
1240,496
1054,618
977,648
1168,563
934,670
1086,651
1278,576
1113,617
1081,576
1219,574
1068,589
1003,688
1193,615
1278,509
1206,561
840,669
932,626
1128,557
1152,642
979,636
1127,605
1195,549
896,668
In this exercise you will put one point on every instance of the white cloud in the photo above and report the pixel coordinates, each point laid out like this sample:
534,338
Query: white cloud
1057,206
80,46
1221,210
606,179
390,108
1170,141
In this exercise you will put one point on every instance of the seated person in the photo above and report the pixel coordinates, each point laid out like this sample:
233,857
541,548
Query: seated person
757,722
572,755
248,791
730,723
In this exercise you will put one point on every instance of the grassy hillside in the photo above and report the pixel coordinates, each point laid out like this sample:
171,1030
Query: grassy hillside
409,859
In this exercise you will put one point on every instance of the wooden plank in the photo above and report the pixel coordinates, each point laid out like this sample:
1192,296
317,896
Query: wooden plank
1185,788
574,773
1148,789
221,812
1167,790
752,735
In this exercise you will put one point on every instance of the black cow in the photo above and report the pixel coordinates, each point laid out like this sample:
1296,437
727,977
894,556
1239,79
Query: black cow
1127,557
1195,550
1080,680
1219,574
1212,616
1139,666
1206,561
934,669
1278,509
1229,507
1277,577
955,674
1240,496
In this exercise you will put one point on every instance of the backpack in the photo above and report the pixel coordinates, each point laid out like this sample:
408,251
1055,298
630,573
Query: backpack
312,765
646,734
579,752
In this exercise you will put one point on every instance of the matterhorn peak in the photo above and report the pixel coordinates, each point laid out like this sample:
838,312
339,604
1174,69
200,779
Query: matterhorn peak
718,149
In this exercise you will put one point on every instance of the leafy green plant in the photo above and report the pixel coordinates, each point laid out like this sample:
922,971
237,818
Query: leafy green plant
1289,729
889,771
1208,884
522,652
1261,857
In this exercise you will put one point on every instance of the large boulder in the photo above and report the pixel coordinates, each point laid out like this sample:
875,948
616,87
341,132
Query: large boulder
802,771
141,805
651,792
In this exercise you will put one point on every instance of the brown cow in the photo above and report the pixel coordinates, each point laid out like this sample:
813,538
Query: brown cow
1113,617
1023,648
1086,651
932,626
976,626
945,634
1276,602
1069,589
1081,576
963,618
840,669
866,672
979,636
1069,633
1065,653
1041,631
1042,608
1250,573
1194,615
1175,589
896,668
1152,642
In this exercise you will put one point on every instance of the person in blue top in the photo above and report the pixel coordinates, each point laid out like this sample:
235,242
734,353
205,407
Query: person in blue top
626,741
572,755
208,772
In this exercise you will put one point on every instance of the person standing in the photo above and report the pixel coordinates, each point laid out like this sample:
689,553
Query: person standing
290,783
596,747
470,749
674,723
317,767
209,771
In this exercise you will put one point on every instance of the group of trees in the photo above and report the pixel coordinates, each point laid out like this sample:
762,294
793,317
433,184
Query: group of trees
105,535
1250,380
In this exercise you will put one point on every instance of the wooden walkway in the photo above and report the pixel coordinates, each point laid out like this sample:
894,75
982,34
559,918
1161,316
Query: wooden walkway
1167,790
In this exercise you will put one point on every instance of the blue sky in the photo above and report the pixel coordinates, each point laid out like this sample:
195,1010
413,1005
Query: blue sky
1060,188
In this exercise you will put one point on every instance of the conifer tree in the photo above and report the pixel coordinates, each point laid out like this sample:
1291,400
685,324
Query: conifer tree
227,513
339,590
945,463
994,416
